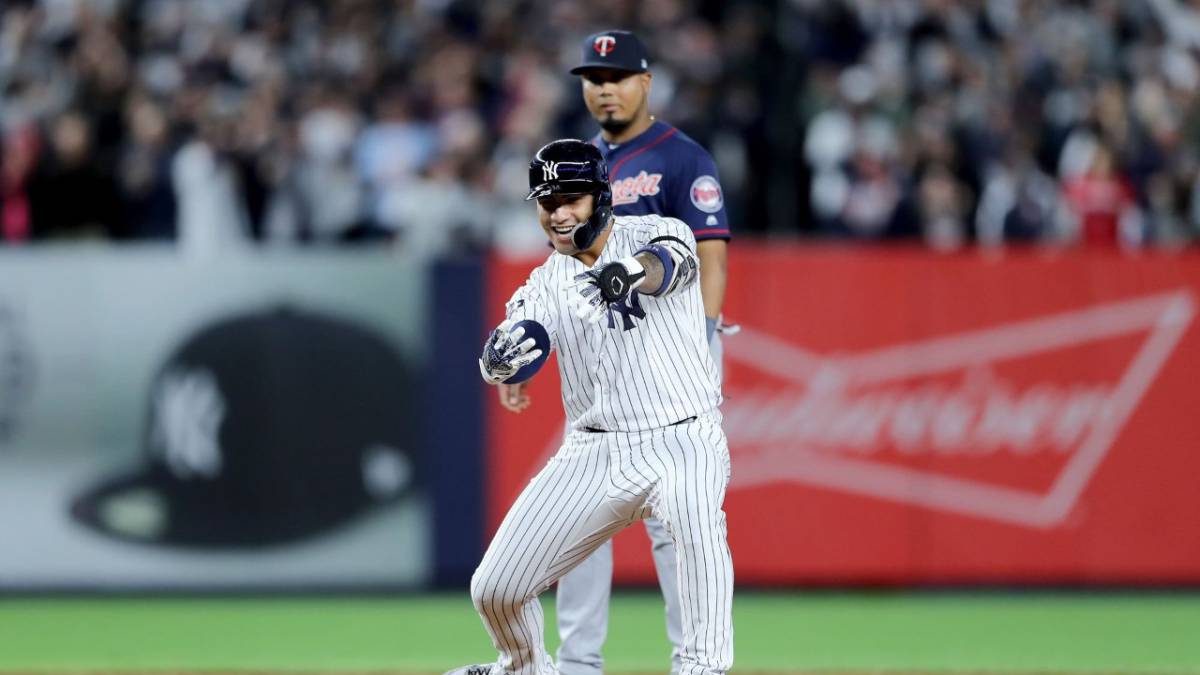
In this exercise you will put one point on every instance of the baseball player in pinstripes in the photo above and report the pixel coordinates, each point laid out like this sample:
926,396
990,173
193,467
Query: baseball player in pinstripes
655,169
619,302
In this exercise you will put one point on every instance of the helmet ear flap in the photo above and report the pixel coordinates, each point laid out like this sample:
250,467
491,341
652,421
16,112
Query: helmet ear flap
601,214
603,211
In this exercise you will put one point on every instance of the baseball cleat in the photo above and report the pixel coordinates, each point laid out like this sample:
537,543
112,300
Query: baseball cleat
481,669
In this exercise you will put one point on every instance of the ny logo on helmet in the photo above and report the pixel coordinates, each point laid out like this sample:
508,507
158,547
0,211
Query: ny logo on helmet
550,171
604,45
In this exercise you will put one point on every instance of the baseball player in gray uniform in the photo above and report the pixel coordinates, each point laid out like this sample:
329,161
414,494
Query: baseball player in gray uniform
619,302
654,169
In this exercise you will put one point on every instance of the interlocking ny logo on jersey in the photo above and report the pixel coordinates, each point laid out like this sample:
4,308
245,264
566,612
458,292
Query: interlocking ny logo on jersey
604,45
628,190
628,312
1007,423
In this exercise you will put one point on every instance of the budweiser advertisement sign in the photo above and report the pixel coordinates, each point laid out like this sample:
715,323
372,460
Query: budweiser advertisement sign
901,416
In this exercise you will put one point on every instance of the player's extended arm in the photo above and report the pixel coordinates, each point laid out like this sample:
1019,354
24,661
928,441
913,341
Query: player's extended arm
664,266
714,257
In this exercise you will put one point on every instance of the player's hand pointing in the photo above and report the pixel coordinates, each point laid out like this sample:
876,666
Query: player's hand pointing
594,290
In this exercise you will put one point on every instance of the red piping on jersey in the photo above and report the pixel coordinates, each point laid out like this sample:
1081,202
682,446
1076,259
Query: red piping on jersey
711,234
613,171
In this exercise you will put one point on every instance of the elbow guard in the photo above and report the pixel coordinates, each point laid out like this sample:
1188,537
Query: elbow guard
680,265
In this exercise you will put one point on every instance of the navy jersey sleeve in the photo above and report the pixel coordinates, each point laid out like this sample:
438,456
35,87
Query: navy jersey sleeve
697,198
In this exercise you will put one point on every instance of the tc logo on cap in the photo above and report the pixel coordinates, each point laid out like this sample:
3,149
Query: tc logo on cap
604,44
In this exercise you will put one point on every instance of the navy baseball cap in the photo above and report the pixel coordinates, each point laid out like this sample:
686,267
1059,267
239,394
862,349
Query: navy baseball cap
616,49
265,428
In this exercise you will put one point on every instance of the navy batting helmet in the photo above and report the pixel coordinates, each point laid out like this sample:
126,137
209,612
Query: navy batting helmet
568,166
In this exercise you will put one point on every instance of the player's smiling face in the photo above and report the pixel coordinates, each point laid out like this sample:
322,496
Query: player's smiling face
562,214
616,98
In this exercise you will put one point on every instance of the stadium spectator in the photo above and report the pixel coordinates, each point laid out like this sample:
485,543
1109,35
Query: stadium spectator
17,162
71,193
144,172
922,119
1101,208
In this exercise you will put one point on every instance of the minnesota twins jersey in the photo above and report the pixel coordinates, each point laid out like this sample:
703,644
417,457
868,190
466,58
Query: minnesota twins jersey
648,365
665,172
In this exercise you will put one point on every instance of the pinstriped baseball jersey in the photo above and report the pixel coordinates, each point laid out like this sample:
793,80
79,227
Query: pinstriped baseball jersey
641,395
649,364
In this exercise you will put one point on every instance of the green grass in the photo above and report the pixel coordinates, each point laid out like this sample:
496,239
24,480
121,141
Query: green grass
782,632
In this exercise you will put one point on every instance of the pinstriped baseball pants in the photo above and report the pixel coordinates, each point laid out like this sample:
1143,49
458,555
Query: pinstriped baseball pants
595,486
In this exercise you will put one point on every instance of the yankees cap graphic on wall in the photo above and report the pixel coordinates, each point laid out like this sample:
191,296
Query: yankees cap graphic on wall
265,429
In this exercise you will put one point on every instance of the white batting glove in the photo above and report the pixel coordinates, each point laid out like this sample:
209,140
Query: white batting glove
593,291
586,301
504,353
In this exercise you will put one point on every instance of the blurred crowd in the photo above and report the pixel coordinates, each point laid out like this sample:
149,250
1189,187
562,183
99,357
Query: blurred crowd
996,121
220,124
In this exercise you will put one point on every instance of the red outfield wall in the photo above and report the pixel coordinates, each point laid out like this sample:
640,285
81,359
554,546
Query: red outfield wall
900,416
